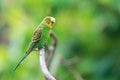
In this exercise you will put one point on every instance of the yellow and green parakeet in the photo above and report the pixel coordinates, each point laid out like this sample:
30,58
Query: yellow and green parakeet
40,36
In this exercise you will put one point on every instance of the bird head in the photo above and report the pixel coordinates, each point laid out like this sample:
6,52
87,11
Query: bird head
48,21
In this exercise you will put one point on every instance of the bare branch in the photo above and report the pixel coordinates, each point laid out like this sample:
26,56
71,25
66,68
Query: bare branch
51,49
43,65
54,38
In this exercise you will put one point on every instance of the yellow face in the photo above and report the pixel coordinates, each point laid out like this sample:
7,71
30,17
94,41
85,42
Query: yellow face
49,21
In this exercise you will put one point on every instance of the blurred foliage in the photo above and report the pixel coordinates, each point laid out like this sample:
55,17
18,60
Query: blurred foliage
88,33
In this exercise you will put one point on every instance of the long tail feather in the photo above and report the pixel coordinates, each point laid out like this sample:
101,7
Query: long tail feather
27,53
20,61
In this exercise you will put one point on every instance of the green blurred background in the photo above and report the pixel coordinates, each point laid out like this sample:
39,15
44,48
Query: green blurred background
88,33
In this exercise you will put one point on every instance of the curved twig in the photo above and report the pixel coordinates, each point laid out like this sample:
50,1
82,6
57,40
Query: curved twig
43,65
51,49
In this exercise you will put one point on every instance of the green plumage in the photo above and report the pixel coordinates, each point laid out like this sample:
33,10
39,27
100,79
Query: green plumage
44,35
40,36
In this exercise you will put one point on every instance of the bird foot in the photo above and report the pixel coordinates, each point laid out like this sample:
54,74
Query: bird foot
41,47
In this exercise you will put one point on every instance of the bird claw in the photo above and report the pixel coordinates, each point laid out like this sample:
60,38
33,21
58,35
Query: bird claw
41,47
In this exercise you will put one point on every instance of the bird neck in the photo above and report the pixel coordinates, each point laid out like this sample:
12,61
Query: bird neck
46,28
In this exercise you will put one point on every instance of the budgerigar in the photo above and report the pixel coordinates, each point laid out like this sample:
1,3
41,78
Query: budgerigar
40,36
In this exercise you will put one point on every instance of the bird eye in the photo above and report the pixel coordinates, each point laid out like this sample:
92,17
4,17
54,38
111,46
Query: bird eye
52,22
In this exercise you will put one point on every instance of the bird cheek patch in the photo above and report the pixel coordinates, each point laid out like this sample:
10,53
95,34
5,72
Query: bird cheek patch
50,26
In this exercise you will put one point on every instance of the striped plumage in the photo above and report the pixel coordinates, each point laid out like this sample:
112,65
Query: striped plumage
40,36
